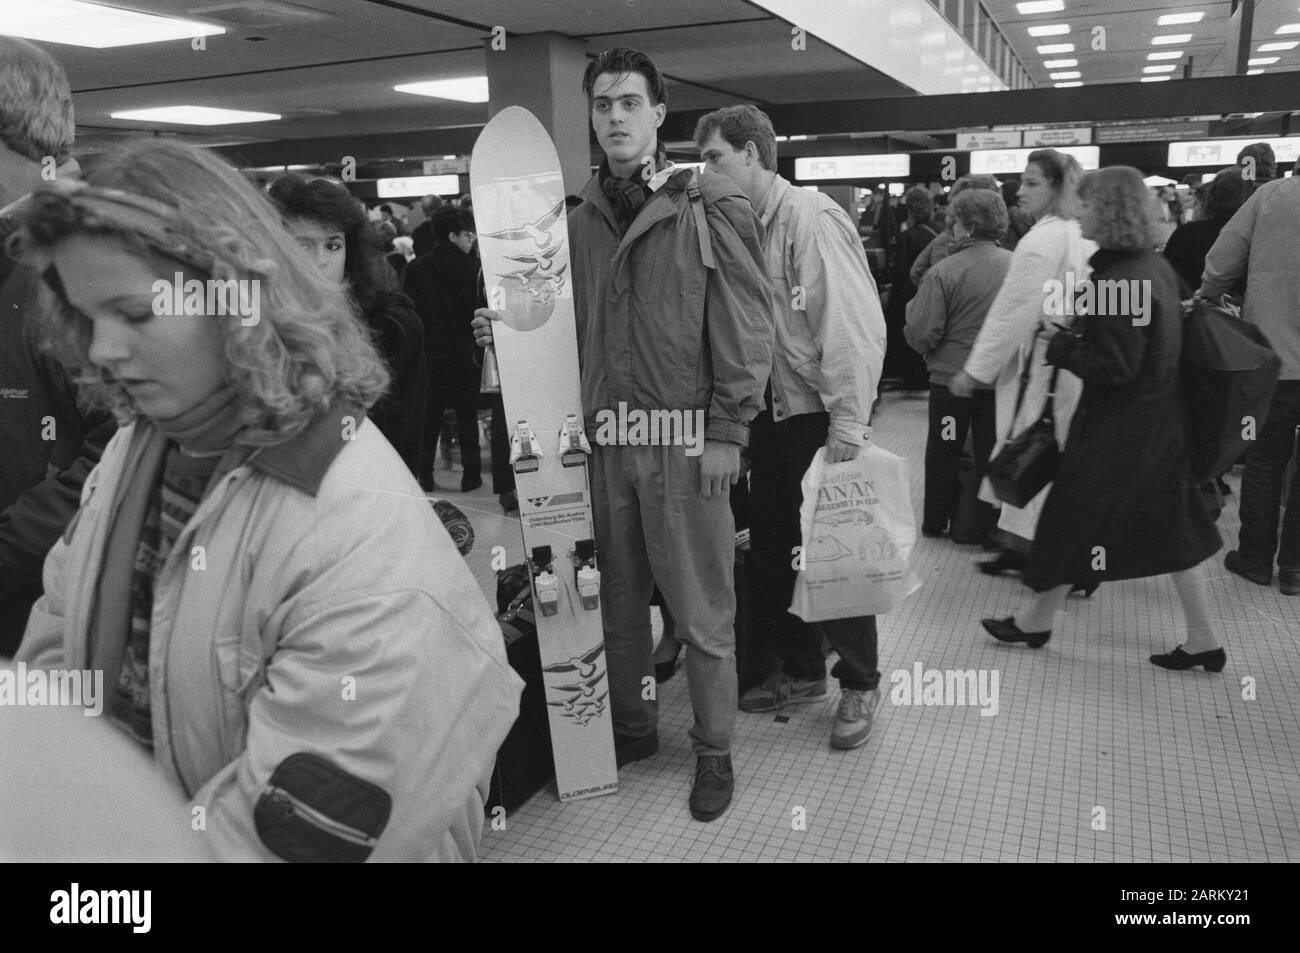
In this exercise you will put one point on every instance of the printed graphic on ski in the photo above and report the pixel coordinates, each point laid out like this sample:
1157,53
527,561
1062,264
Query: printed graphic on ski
519,212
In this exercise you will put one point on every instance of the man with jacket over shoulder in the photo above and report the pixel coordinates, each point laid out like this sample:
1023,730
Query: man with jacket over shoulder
674,313
826,365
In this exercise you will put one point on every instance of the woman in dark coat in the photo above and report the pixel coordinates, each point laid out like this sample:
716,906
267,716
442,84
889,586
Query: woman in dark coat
444,285
1124,505
900,360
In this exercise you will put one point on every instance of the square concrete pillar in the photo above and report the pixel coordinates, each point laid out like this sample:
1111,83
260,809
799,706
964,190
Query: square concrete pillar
543,73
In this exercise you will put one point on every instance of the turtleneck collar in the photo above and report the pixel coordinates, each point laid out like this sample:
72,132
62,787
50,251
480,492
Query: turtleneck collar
209,427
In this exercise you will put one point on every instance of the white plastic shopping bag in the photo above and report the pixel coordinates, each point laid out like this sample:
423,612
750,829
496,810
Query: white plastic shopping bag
858,531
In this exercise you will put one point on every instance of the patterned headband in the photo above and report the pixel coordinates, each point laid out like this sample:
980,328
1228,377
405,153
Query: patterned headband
95,209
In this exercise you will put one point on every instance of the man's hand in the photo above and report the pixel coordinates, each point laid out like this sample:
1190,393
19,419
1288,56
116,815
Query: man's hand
482,325
837,451
719,467
962,385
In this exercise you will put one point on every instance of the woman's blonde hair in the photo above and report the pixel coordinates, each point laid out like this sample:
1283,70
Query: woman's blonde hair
307,350
1062,173
1124,213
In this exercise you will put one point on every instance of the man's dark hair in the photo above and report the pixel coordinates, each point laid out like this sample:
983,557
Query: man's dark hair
449,220
1226,193
621,61
1265,160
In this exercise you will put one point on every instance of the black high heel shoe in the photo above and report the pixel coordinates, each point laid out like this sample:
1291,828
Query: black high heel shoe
1005,561
1213,660
1006,630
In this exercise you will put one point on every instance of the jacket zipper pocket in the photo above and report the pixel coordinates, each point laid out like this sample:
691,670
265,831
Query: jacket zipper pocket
314,817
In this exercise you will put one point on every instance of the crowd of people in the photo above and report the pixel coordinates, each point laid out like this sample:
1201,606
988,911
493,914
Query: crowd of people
231,521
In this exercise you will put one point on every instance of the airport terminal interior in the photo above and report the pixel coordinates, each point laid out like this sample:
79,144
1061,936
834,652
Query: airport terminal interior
1082,751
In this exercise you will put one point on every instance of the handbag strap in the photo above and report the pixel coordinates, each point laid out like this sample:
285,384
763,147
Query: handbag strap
1049,414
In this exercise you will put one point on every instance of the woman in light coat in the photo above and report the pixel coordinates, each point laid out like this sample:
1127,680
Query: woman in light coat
1047,263
279,619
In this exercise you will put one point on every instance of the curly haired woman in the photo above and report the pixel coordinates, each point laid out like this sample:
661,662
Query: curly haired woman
1124,505
276,612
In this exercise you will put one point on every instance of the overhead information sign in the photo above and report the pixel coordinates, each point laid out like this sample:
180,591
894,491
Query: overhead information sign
1012,161
418,185
1153,132
452,166
891,165
968,141
1224,151
1055,138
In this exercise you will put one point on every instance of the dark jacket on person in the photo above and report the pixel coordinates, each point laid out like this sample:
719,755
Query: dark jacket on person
444,287
399,338
423,240
1124,505
900,360
948,311
657,328
49,443
1187,248
1020,223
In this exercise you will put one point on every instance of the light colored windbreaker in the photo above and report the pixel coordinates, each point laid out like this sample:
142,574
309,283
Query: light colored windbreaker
327,679
830,330
1020,320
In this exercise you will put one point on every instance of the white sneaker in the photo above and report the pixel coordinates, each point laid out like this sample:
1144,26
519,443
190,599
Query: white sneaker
854,718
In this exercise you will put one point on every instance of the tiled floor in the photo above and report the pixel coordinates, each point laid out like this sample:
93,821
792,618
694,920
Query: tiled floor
1093,755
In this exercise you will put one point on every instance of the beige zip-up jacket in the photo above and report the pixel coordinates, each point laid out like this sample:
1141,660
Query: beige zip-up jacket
830,329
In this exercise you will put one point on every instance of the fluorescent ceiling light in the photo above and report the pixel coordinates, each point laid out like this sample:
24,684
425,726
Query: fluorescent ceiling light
1170,38
1253,72
469,89
193,115
1166,55
1067,85
1040,6
1059,64
1155,79
1159,69
1287,28
1263,61
1278,47
1052,48
1056,29
1071,74
1174,19
75,23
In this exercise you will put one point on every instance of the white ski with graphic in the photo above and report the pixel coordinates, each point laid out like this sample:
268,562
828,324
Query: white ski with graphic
519,214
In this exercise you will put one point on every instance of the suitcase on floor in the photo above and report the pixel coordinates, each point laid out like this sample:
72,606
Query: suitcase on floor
524,762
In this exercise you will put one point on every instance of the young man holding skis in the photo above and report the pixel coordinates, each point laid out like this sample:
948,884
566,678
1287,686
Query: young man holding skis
674,313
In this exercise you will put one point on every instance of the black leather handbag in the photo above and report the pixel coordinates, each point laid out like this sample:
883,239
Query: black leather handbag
1027,462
